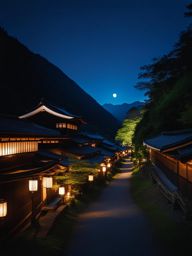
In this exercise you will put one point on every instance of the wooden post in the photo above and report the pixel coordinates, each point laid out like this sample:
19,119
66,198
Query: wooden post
178,174
187,172
187,176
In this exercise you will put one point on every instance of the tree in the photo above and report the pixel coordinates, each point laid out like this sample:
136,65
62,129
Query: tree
126,132
134,112
167,81
189,11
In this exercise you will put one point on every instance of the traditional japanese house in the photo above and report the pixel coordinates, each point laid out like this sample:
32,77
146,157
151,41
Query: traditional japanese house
23,172
83,147
172,153
54,117
95,140
78,152
94,144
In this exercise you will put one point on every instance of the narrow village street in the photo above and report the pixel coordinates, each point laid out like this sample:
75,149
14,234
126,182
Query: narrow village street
114,225
96,128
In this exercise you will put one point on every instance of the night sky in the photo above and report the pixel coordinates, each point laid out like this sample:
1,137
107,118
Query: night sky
99,44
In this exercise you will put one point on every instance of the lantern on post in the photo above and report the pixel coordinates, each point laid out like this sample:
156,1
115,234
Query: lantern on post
47,182
91,177
3,208
68,196
104,169
109,165
33,187
62,192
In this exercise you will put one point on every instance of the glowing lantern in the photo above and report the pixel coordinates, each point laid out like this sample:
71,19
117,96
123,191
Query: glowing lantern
33,185
91,178
104,169
61,191
68,195
109,165
3,208
47,182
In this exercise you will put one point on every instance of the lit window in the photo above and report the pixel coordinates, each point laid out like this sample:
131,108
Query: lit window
10,148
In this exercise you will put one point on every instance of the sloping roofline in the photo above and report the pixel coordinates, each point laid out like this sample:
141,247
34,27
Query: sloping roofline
166,141
12,126
43,108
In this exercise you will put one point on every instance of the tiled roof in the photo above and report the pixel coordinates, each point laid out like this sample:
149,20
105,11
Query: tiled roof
93,136
184,154
96,159
45,106
80,139
14,126
169,140
48,154
63,160
105,152
25,166
85,150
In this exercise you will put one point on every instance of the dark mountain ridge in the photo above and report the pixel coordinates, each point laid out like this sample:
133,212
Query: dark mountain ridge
120,112
26,77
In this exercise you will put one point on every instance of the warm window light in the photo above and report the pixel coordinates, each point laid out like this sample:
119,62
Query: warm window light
11,148
61,191
33,185
47,182
3,208
90,178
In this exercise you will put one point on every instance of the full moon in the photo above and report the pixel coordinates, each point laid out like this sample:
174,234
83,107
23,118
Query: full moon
114,95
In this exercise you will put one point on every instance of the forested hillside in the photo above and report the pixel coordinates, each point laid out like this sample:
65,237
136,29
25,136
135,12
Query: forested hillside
168,85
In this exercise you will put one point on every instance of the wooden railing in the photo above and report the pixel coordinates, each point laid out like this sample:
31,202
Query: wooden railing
171,192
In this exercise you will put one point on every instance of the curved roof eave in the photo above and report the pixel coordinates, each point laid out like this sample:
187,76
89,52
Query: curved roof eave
44,108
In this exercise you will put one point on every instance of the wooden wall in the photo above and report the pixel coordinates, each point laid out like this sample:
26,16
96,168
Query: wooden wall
19,205
179,173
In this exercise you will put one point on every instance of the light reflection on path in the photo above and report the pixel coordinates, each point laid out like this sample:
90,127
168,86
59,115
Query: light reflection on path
114,226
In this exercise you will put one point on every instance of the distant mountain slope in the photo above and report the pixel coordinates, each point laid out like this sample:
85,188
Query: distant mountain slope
25,78
120,112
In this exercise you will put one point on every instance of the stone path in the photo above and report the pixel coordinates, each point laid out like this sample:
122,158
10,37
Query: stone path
47,221
114,225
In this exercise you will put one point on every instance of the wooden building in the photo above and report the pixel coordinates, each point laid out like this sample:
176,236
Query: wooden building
172,153
33,149
20,163
53,117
